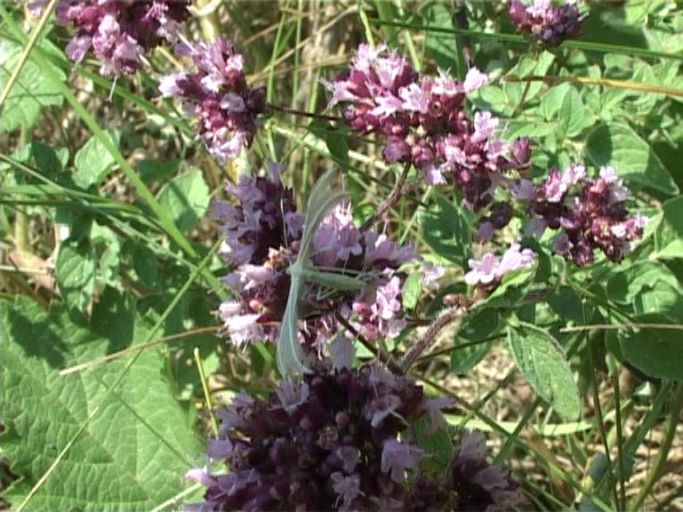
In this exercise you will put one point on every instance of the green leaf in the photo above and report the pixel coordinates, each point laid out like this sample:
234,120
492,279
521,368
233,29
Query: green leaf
145,265
156,170
574,116
410,293
491,97
75,272
438,446
528,65
543,363
441,46
569,305
446,230
30,93
669,234
335,141
646,287
186,198
551,103
477,327
93,161
49,161
535,128
657,352
632,157
131,455
563,103
109,259
512,289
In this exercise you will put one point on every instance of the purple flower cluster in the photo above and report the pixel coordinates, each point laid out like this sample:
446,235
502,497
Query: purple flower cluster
218,96
490,269
479,485
588,213
547,24
262,233
423,121
120,32
333,442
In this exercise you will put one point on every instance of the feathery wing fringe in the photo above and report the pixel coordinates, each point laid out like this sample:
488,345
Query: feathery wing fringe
290,356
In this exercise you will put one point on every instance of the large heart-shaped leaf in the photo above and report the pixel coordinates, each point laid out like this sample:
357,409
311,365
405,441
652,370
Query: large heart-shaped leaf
130,454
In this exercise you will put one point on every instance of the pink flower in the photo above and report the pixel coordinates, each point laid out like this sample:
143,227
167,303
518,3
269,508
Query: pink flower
474,80
491,268
416,98
483,270
431,273
397,457
426,124
484,125
292,395
433,408
590,212
347,487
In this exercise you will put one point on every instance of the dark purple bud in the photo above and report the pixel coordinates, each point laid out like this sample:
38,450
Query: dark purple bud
521,151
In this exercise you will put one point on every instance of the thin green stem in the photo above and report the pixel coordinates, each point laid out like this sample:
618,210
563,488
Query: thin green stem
620,451
205,389
365,20
598,410
27,52
513,38
107,209
676,404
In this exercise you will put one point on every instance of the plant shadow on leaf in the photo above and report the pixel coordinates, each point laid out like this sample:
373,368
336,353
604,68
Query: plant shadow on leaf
185,198
113,319
609,25
620,146
32,337
445,227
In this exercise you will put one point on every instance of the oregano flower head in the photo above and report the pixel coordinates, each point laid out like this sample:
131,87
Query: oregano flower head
587,213
422,120
217,94
120,32
547,24
338,440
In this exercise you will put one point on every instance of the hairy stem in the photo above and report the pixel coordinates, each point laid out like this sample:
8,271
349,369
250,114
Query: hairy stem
391,199
303,113
454,314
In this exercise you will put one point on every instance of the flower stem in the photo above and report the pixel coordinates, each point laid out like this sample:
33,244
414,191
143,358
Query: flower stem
382,356
454,314
391,199
303,113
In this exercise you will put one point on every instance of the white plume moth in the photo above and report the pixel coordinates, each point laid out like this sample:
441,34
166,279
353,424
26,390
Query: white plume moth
290,355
